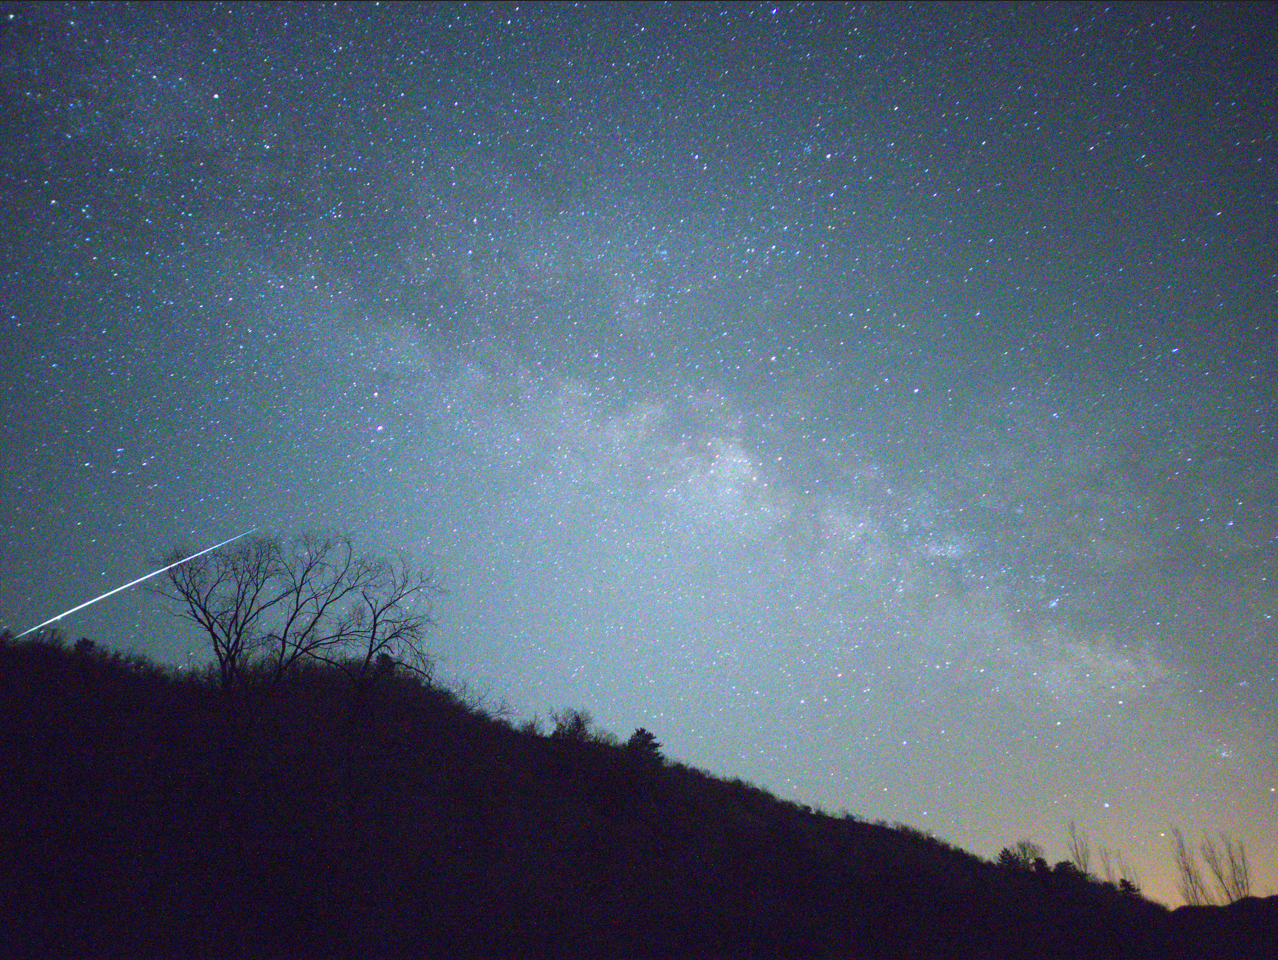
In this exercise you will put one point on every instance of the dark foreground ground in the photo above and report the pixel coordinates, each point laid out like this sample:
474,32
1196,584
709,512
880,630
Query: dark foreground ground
149,815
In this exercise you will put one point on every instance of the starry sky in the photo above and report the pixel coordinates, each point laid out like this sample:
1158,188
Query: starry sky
876,402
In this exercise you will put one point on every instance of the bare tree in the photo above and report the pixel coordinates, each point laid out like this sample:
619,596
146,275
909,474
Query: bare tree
310,598
1192,887
1231,873
223,594
1080,851
1106,858
1227,864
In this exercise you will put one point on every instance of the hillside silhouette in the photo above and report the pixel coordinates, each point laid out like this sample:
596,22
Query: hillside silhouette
152,813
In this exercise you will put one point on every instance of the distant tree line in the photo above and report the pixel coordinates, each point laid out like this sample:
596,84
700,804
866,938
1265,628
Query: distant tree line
1228,877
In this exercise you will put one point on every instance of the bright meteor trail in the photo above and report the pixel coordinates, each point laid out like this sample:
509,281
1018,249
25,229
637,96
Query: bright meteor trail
133,583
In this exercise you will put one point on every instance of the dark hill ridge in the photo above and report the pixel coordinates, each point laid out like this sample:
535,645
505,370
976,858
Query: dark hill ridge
152,815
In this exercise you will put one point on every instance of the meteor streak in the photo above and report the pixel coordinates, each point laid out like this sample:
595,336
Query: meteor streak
134,583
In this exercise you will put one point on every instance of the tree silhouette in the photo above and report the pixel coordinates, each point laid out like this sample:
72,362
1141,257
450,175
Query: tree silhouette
281,602
1227,864
1192,887
1026,855
643,747
571,724
1080,849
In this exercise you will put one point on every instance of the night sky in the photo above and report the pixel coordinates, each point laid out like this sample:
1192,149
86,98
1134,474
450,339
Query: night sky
877,403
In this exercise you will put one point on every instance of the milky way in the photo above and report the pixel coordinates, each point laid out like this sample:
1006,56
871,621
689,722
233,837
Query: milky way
877,403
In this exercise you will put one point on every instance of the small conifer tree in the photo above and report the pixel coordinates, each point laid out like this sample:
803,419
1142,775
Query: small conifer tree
643,746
